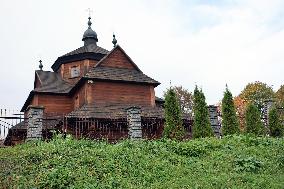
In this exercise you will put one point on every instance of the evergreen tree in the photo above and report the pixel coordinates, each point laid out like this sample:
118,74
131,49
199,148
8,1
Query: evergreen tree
201,123
253,121
173,126
275,126
230,122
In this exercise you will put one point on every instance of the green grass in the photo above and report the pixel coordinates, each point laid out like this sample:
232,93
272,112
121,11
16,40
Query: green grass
231,162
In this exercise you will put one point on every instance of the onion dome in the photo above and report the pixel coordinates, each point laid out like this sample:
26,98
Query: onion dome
90,36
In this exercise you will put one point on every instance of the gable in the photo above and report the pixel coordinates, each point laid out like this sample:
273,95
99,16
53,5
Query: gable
37,81
117,58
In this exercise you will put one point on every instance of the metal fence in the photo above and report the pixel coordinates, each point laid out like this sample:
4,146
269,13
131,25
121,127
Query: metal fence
13,126
8,119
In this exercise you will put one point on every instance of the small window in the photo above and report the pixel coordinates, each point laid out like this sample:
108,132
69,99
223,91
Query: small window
75,71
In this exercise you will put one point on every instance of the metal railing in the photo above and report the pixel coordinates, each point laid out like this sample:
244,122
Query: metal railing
8,119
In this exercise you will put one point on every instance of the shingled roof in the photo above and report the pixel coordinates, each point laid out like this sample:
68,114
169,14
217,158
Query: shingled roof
119,74
91,51
92,48
114,111
118,111
51,82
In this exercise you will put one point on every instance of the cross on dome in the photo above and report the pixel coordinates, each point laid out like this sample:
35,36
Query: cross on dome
90,36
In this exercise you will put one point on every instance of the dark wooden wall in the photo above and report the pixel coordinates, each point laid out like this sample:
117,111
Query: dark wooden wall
55,103
80,96
85,65
121,93
117,59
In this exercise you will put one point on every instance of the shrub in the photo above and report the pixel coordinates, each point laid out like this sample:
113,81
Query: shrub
201,124
241,161
253,121
230,122
249,164
173,127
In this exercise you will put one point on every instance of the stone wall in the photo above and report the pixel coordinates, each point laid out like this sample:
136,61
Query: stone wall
268,104
134,123
213,115
34,129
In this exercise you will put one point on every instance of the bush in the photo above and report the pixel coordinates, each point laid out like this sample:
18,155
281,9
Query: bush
230,162
230,122
201,123
253,121
173,126
249,164
275,126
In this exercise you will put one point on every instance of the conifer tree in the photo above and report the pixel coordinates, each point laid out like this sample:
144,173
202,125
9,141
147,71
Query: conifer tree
173,126
253,121
201,123
275,126
230,122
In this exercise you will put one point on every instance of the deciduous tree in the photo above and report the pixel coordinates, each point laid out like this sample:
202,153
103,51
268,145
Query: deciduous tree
185,99
240,105
280,96
257,93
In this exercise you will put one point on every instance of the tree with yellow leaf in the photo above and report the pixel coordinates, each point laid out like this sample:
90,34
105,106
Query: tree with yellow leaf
254,93
280,96
257,93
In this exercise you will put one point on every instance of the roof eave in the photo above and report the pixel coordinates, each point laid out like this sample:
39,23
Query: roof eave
32,93
76,57
122,81
27,102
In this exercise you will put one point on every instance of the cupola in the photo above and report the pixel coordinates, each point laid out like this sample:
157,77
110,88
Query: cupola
90,36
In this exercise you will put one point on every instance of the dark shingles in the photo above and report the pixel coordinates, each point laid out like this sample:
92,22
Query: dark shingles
87,49
114,111
119,74
47,123
51,82
118,111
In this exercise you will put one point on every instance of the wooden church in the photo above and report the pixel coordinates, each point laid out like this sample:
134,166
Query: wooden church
91,75
97,85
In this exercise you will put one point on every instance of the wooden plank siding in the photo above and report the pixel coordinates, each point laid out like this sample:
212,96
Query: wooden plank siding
121,93
55,103
65,69
117,59
35,100
79,98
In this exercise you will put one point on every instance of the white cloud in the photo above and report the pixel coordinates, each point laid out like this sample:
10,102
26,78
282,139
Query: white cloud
205,44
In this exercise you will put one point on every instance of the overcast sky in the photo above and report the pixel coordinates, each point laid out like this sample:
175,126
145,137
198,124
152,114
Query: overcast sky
204,42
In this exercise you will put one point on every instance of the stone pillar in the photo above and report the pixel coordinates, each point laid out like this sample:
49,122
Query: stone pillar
268,104
213,116
34,129
134,123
